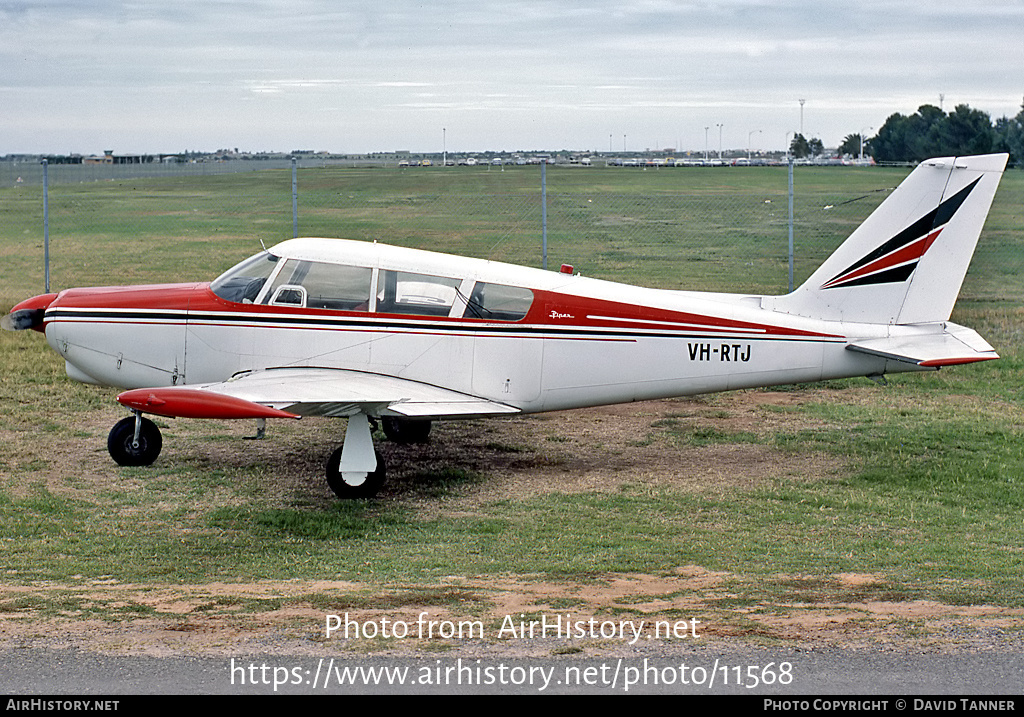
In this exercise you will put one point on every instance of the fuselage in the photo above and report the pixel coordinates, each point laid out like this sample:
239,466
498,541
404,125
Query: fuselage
532,339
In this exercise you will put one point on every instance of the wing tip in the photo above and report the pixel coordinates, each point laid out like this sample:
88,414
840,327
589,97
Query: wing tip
182,402
957,360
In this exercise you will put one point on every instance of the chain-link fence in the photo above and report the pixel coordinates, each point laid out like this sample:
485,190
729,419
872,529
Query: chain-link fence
714,229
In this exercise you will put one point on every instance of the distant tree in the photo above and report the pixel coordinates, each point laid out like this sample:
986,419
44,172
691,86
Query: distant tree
924,132
932,133
963,131
1009,136
902,138
802,147
799,147
890,144
852,144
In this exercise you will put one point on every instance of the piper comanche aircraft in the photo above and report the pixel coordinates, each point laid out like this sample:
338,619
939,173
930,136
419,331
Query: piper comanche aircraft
365,331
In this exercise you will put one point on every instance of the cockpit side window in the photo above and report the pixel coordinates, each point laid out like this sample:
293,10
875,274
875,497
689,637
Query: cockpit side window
242,282
498,302
319,285
403,292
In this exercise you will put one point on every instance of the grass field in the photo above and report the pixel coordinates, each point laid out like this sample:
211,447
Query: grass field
918,485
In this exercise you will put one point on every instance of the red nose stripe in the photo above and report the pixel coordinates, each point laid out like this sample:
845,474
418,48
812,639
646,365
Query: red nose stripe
195,403
36,302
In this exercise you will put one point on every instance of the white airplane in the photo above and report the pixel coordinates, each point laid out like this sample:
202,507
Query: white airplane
365,331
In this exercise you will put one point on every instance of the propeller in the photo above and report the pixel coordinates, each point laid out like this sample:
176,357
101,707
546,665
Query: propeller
28,314
22,319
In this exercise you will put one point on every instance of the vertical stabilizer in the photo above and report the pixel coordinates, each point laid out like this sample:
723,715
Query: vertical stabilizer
906,263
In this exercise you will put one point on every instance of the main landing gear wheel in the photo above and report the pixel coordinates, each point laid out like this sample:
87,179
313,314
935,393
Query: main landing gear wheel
344,486
126,451
405,430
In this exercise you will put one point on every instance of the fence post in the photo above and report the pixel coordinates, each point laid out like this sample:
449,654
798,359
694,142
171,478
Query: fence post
544,211
295,201
791,225
46,227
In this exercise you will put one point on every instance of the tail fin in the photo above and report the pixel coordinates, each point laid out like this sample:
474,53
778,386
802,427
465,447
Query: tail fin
906,263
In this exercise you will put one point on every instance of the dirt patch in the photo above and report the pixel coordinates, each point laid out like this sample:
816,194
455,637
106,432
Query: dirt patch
602,448
622,614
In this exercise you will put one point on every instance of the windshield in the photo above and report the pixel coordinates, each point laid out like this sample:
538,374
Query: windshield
242,282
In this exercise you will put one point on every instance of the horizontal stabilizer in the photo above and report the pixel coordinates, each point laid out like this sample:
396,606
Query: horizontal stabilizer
937,345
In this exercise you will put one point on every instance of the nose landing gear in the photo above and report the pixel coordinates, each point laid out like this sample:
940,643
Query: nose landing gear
134,441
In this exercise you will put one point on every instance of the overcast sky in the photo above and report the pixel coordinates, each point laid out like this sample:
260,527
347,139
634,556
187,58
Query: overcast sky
352,76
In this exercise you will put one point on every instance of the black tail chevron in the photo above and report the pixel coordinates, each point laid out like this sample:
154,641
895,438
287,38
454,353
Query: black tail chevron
897,258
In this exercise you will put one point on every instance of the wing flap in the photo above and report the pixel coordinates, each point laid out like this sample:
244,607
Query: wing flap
465,408
952,345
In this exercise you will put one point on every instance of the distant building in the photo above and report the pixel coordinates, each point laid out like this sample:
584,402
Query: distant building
110,158
107,158
134,159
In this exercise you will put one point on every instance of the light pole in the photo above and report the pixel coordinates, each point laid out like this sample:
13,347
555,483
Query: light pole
801,115
444,146
719,141
750,134
862,142
706,143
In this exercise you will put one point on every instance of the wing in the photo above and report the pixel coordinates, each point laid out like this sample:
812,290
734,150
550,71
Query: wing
295,392
937,345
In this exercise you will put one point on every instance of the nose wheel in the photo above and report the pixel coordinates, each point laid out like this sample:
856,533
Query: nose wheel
134,441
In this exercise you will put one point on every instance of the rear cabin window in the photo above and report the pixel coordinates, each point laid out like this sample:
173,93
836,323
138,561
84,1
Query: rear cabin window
498,302
318,285
403,292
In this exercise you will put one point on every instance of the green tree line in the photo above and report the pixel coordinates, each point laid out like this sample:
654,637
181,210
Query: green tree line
930,132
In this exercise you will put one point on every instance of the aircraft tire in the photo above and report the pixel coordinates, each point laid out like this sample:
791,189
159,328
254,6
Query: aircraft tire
405,430
367,489
121,438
